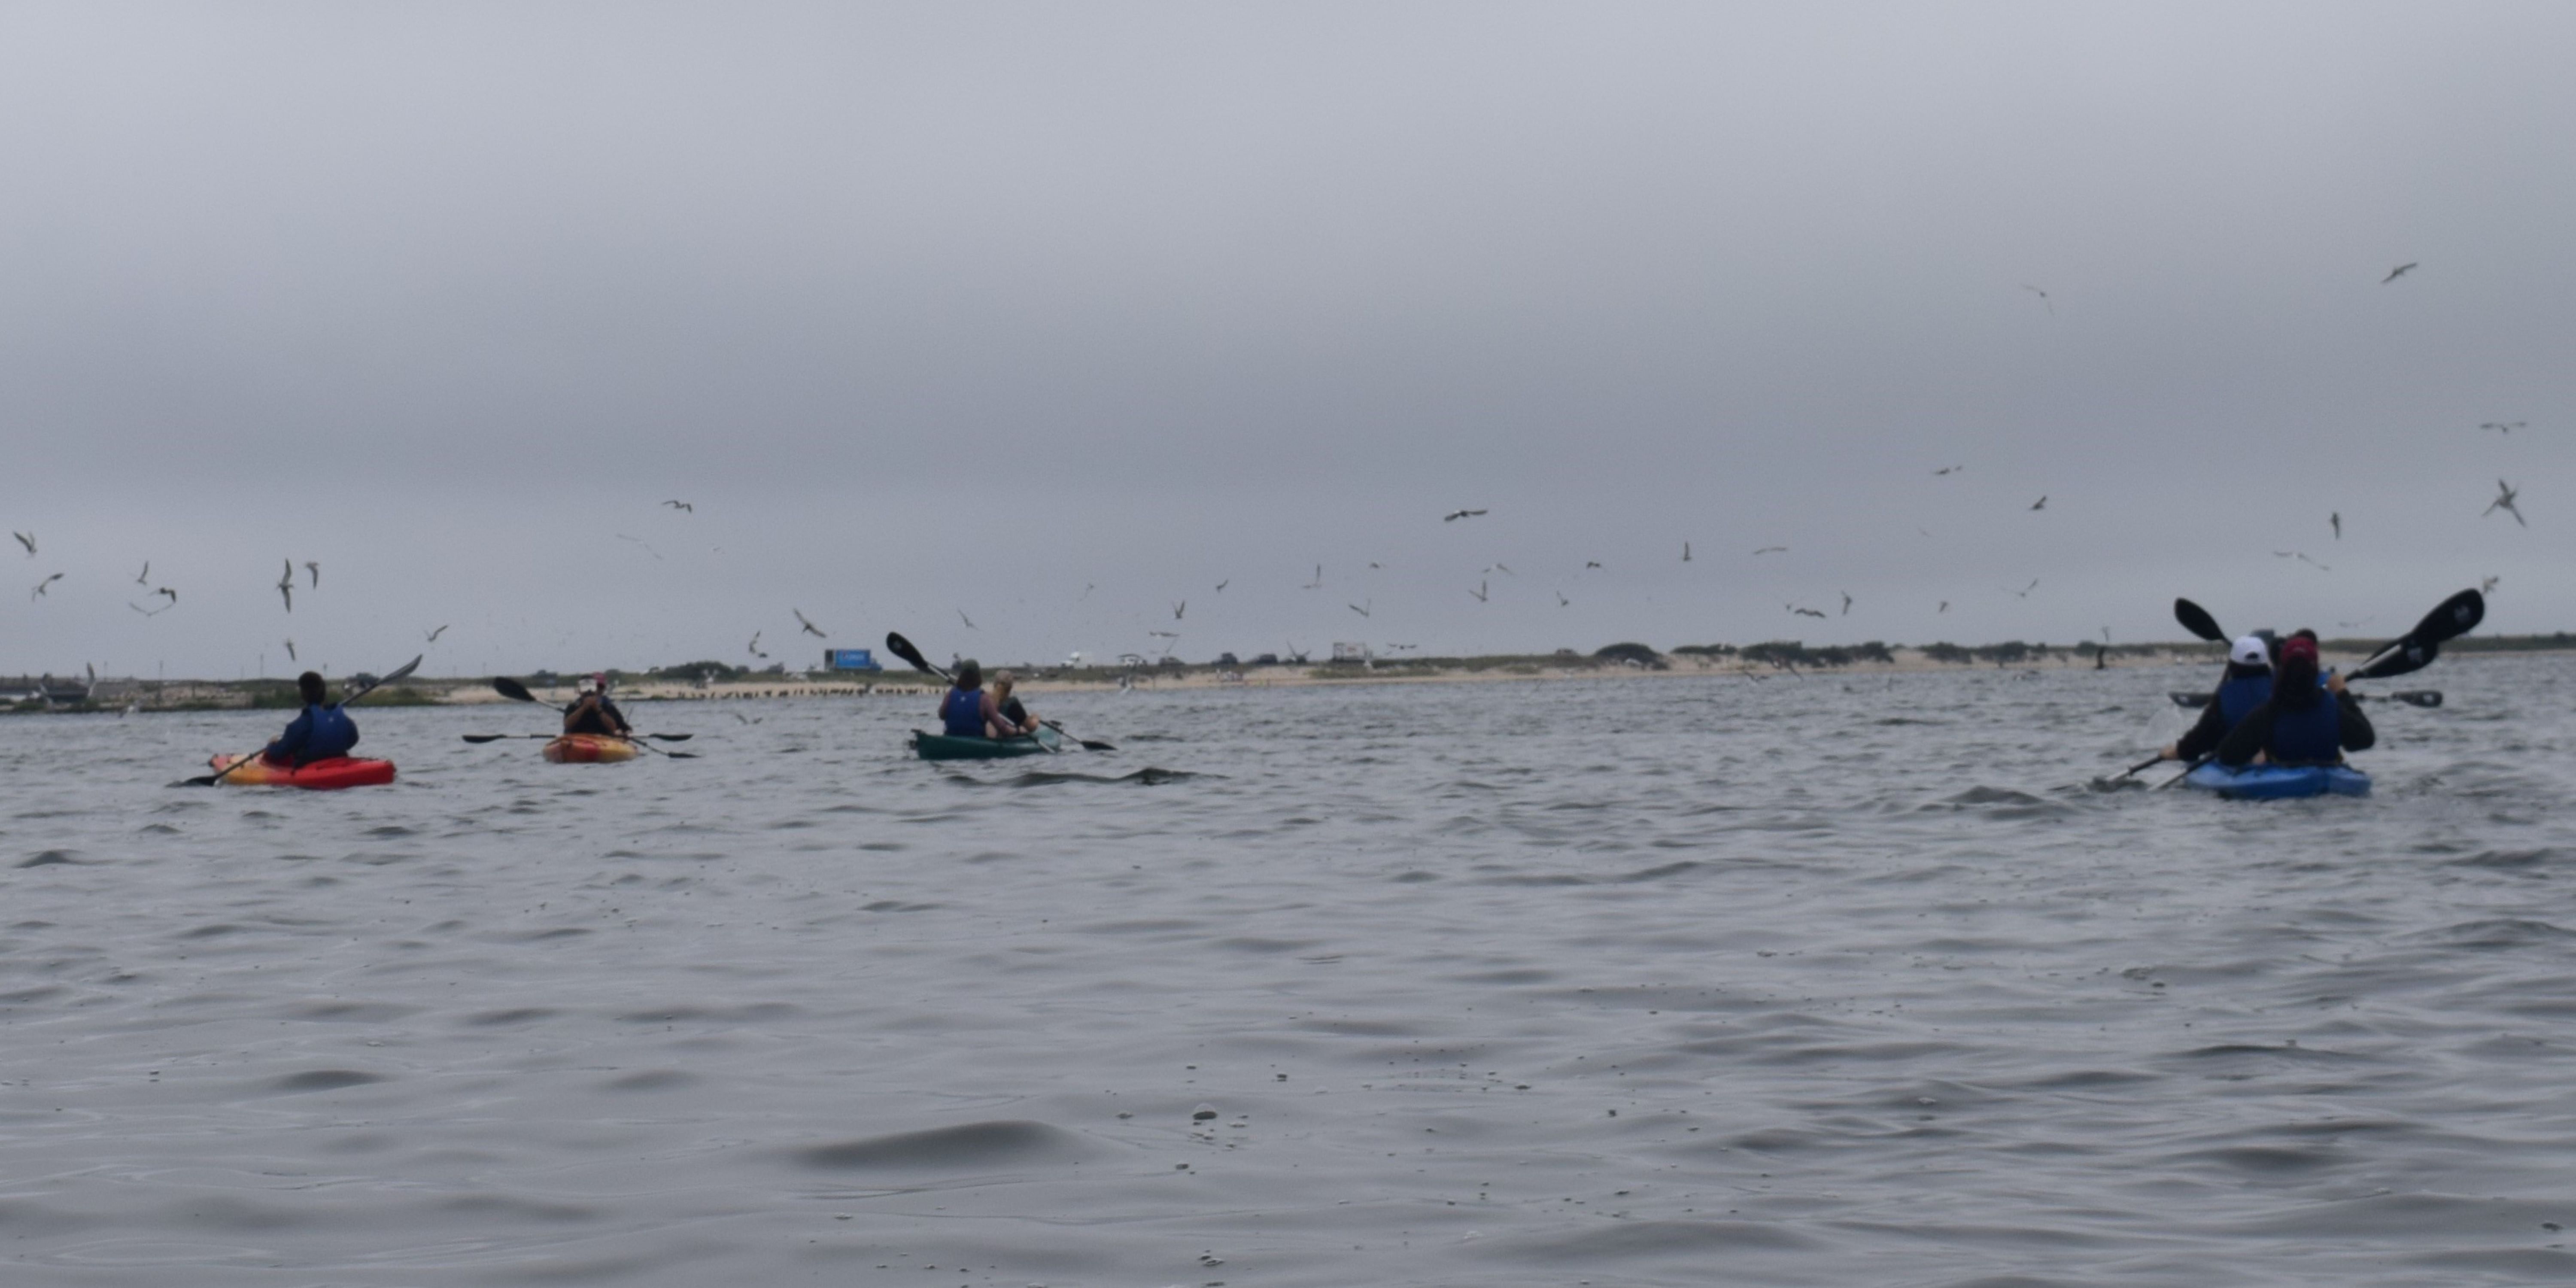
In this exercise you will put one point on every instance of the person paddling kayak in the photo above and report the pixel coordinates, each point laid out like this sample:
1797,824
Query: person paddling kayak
595,714
970,712
2248,684
2303,722
1015,718
320,733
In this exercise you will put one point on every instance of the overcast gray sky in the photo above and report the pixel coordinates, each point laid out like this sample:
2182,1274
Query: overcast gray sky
1060,315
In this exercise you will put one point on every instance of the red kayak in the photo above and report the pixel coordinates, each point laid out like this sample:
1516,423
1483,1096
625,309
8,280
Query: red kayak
320,775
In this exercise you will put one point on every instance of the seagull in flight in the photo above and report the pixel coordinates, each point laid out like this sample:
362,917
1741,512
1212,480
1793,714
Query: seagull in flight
1945,607
1220,586
1847,603
754,646
648,546
432,636
2487,585
1590,564
1479,592
970,622
174,595
1770,550
2504,426
148,612
2336,519
1460,514
2040,504
1359,610
40,586
1947,469
1505,571
1180,608
1562,601
1685,552
290,652
286,585
2505,494
681,505
315,568
2043,297
811,628
144,578
2293,554
27,539
1318,582
2398,272
1804,612
2024,592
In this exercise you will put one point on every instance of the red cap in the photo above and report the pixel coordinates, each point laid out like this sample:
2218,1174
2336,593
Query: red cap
2299,650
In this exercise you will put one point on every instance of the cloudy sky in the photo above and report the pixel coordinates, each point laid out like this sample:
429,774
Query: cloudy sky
1055,317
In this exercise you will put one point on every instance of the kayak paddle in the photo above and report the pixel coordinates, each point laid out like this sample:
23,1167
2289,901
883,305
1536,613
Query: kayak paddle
902,648
2197,620
370,686
496,737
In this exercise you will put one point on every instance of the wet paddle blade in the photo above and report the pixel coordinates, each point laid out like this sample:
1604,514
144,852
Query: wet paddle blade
902,648
2197,620
512,689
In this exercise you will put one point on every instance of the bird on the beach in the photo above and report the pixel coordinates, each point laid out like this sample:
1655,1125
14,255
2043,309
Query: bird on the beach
1847,603
2398,272
1359,610
754,647
27,539
1318,582
1948,469
1767,550
1562,601
314,568
286,585
970,622
681,505
290,651
2505,495
1804,612
144,578
810,627
1460,514
2043,297
1180,608
2336,519
2024,592
1685,552
2505,427
2040,504
648,546
432,636
1479,592
40,586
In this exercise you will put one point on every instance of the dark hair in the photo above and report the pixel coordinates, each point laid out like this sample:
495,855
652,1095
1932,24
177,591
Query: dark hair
310,685
2294,684
970,674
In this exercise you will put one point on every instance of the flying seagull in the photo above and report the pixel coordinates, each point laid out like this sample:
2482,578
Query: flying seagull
2504,426
810,628
148,612
286,585
1562,601
1505,571
2397,272
648,546
1461,514
1847,603
1359,610
290,652
144,578
1590,564
1318,582
1479,592
1803,612
2043,297
681,505
2040,504
754,646
27,539
1770,550
2487,585
2024,592
1945,607
2505,494
2336,519
2293,554
40,586
1685,552
433,635
1948,469
1220,586
970,622
1180,608
314,568
174,595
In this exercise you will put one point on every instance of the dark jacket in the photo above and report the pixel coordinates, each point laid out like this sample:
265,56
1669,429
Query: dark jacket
318,734
2254,733
595,714
2226,707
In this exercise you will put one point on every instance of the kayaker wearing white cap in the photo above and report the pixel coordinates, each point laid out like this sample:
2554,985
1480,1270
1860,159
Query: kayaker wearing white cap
2248,685
595,714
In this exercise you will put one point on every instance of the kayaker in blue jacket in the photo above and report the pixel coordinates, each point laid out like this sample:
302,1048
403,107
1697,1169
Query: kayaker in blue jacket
969,712
2247,685
2304,722
593,713
320,733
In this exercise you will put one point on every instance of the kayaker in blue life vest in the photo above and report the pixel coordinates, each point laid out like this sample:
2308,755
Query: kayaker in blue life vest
2247,685
593,713
2304,722
969,712
322,732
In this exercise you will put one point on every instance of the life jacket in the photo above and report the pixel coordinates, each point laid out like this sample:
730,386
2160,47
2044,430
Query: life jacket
333,734
2310,737
2238,697
962,713
598,717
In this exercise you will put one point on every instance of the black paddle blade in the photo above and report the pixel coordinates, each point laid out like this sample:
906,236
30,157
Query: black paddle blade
902,648
671,737
2197,620
2182,699
512,689
488,737
2457,616
2408,656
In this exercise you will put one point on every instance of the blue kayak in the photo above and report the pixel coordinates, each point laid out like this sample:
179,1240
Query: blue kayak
2274,782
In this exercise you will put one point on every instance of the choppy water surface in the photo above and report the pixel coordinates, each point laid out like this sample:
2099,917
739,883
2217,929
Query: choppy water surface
1654,981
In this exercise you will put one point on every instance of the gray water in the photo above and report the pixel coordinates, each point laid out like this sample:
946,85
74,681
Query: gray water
1822,981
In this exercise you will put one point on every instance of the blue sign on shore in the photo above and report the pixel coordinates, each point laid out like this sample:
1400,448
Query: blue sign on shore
850,659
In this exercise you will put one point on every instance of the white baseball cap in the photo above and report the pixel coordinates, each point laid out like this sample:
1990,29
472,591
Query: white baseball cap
2251,651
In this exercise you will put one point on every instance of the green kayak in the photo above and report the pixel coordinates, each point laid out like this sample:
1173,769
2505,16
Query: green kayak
939,746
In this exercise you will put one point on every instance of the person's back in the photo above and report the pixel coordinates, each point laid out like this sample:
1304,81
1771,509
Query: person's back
961,713
2247,685
321,732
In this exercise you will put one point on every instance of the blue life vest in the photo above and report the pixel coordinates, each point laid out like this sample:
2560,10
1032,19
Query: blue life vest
333,734
2310,737
2237,698
962,713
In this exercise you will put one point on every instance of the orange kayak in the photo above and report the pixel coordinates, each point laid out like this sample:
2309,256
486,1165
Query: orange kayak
320,775
589,749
